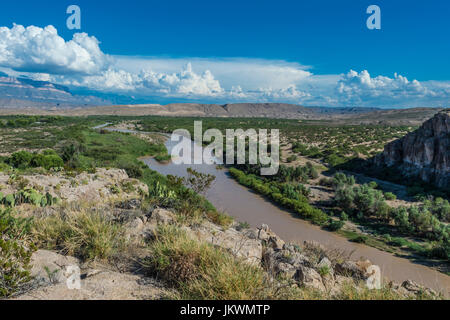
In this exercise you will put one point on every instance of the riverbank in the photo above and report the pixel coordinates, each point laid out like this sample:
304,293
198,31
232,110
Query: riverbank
244,205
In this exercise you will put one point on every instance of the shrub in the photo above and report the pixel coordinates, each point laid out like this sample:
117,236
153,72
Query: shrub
15,252
373,185
132,169
163,157
335,225
340,179
198,181
47,161
390,196
71,151
291,158
20,159
360,239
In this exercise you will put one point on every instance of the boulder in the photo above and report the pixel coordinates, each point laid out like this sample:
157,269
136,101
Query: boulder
161,216
50,268
269,238
236,242
326,263
417,289
350,269
309,278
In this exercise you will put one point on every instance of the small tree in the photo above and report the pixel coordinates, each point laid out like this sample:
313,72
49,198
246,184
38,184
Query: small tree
198,181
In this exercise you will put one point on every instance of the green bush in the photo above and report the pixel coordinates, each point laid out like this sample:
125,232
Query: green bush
335,225
15,252
47,161
133,170
291,158
390,196
20,159
360,239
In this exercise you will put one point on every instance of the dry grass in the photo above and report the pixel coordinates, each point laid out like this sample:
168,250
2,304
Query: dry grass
201,271
88,234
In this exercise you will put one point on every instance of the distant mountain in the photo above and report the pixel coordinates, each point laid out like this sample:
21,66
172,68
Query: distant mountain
24,92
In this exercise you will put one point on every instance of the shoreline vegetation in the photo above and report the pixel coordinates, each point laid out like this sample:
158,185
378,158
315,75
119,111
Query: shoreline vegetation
48,144
403,241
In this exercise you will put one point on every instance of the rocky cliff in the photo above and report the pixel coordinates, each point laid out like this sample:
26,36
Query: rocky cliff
424,153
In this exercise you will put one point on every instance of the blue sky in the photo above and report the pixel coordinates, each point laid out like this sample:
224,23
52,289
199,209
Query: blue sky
308,52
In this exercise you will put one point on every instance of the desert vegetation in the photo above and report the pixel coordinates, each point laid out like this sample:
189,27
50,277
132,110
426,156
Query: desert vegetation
32,218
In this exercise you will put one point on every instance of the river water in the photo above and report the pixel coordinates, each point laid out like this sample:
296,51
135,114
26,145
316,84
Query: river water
247,206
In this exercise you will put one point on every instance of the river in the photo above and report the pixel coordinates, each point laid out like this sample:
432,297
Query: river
247,206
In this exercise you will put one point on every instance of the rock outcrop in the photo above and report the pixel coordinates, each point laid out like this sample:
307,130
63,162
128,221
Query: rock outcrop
103,185
310,266
424,153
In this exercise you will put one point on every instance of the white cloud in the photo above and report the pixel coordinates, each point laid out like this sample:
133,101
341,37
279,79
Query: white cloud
40,53
249,74
35,49
184,83
361,89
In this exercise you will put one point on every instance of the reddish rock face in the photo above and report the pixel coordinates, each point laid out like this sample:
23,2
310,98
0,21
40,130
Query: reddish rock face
424,153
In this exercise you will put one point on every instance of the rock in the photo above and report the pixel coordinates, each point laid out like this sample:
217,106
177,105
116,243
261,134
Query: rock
101,285
326,263
252,234
415,288
263,235
234,241
134,228
131,204
276,243
88,187
149,231
349,269
50,268
162,216
269,238
422,153
310,278
286,270
284,263
137,224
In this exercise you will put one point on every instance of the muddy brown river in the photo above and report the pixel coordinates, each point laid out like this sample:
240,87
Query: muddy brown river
246,206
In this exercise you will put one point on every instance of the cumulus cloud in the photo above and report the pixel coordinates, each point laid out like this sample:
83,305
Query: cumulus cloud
361,89
290,93
184,83
34,49
249,74
41,54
